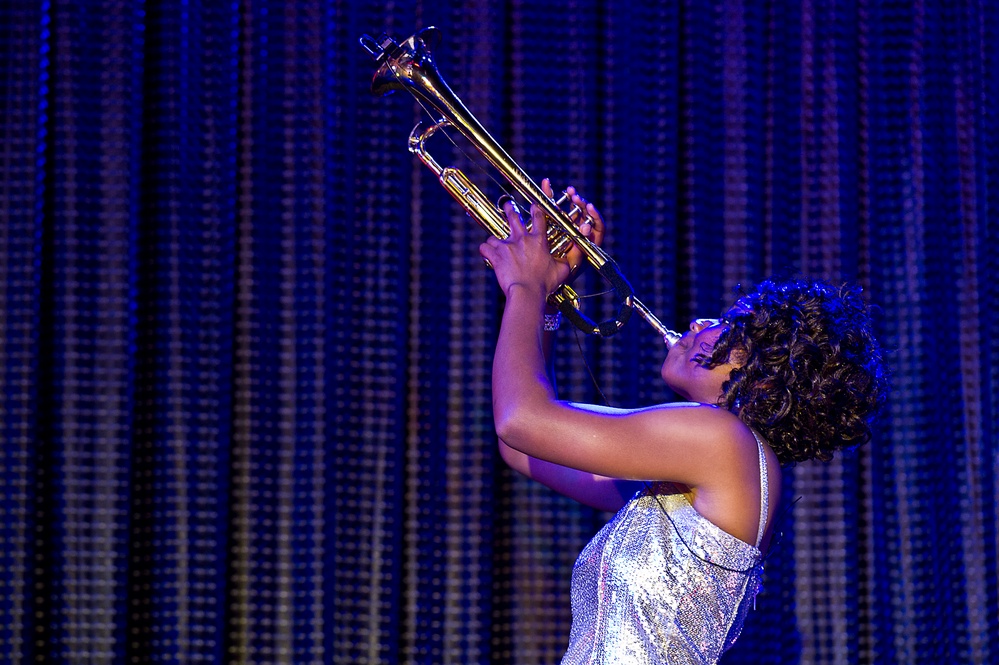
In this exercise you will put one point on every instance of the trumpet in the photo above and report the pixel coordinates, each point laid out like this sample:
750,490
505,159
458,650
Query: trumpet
410,66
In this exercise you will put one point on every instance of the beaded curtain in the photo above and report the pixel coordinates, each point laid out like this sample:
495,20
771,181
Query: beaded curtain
245,338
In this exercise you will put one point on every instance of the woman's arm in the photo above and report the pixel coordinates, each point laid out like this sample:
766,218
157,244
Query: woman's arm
690,444
590,489
596,491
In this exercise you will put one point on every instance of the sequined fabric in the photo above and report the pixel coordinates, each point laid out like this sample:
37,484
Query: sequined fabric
640,595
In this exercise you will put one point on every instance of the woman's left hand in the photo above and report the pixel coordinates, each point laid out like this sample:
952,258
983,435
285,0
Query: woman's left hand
591,225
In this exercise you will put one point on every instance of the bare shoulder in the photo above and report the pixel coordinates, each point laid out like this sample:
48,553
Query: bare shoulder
685,442
706,448
706,429
725,484
700,415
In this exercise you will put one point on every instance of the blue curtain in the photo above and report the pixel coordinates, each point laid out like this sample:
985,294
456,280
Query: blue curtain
245,338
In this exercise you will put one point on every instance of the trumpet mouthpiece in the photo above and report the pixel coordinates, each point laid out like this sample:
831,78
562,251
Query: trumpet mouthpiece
670,338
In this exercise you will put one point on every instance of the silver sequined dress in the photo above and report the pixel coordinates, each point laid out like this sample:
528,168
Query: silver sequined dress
641,595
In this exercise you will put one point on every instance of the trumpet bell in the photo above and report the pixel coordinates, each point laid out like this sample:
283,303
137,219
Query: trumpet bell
397,63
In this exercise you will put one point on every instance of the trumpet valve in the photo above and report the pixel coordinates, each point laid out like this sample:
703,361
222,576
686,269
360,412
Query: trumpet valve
558,242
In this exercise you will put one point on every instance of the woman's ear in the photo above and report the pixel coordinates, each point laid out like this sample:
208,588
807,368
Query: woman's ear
738,356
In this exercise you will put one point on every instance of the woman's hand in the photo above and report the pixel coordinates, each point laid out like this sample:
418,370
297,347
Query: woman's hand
524,257
517,259
591,225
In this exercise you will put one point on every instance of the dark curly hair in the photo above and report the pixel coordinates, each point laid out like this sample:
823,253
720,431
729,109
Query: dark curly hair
811,379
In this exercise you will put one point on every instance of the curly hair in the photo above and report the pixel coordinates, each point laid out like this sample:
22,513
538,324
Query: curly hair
811,379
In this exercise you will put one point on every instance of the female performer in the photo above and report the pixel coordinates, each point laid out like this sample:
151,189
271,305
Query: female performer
791,372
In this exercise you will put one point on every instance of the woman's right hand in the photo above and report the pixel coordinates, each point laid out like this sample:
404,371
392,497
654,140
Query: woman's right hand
524,257
512,269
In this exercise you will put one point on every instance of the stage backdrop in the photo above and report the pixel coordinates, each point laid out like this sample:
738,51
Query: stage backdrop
245,338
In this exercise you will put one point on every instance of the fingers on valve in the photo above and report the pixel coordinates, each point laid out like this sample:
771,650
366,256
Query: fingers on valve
589,214
546,187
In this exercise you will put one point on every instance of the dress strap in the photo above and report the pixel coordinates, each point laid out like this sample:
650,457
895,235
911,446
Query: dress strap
764,489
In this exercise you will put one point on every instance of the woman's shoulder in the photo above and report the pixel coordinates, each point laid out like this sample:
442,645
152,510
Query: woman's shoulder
708,419
687,424
725,486
711,442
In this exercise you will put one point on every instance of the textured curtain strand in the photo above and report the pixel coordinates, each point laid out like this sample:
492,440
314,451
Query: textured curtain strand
88,399
736,205
21,193
821,186
910,465
239,633
967,93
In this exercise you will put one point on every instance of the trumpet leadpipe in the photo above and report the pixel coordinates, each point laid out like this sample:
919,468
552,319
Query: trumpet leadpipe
670,337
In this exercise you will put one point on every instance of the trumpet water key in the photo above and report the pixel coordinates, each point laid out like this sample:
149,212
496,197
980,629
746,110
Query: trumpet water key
409,66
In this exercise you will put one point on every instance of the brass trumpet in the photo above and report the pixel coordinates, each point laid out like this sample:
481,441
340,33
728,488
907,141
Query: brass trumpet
410,66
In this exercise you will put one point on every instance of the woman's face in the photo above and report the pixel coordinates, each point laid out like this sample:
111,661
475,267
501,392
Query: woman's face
690,379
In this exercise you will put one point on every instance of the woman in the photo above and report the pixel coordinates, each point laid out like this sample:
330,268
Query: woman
791,372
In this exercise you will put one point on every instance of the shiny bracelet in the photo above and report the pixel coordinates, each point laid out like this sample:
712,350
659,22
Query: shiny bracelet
553,321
